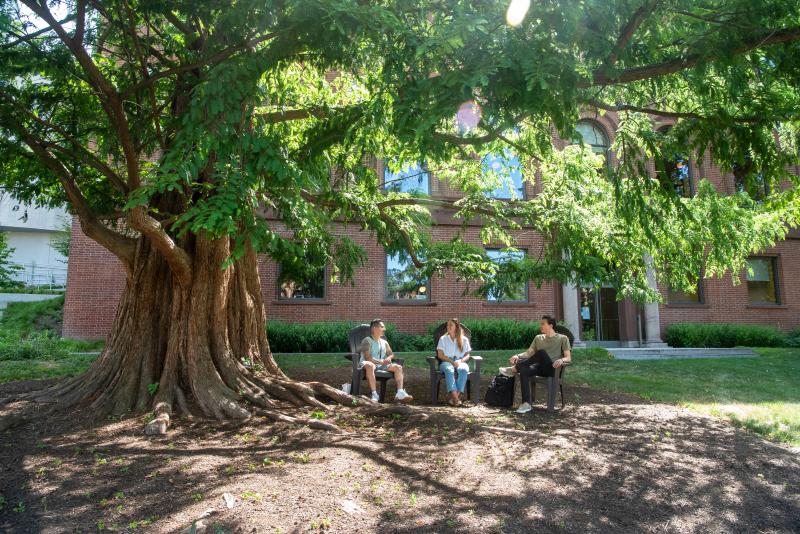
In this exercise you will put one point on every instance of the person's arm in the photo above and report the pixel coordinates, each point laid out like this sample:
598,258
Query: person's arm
389,354
566,354
467,350
524,355
440,350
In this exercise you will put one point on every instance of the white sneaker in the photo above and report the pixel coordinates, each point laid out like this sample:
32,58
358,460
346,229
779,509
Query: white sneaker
376,397
525,407
507,371
402,396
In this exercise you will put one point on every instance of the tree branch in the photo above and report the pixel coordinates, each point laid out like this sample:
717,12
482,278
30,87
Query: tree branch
661,113
84,155
121,246
216,58
81,22
27,37
601,77
177,258
274,117
629,29
112,104
406,238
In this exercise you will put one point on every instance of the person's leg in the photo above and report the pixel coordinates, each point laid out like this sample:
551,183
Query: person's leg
397,371
525,375
540,358
463,374
369,370
449,378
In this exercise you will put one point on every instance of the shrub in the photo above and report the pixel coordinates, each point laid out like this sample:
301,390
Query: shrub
793,338
724,335
487,334
310,337
34,346
332,337
496,334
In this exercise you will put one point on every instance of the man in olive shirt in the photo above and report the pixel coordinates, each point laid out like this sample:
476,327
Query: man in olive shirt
548,352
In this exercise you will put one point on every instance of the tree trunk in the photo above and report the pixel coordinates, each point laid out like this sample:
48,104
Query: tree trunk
200,349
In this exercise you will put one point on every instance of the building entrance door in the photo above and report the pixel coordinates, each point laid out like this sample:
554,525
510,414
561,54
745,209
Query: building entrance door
599,312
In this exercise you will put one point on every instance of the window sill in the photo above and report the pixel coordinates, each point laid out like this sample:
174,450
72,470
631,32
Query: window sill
700,306
509,304
299,302
767,306
407,303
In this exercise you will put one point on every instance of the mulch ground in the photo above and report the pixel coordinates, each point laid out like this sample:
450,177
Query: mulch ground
607,463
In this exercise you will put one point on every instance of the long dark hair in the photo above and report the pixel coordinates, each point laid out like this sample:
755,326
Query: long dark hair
459,333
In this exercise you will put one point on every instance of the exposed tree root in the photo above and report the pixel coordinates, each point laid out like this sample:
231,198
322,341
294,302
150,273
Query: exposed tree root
311,423
180,347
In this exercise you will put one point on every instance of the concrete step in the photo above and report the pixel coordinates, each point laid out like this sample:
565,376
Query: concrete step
682,353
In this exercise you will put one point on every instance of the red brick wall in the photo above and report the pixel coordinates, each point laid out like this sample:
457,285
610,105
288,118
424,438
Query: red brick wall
726,303
365,299
96,279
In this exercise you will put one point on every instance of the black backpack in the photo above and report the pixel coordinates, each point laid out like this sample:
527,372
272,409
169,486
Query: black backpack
501,392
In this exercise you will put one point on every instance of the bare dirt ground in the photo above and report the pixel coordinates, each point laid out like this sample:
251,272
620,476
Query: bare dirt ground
607,463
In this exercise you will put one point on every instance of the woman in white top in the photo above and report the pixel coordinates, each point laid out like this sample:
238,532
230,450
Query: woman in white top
453,352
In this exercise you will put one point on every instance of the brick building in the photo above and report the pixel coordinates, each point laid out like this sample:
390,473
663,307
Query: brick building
385,288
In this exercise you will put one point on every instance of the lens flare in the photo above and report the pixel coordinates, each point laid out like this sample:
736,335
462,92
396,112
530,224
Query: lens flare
468,116
517,10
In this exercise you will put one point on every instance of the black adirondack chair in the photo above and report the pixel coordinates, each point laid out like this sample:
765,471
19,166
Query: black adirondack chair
555,383
473,379
355,337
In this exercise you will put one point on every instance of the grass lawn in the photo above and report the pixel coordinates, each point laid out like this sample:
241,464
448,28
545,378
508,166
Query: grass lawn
761,394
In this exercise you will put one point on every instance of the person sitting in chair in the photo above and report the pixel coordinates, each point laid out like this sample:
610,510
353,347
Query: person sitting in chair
453,352
377,355
548,352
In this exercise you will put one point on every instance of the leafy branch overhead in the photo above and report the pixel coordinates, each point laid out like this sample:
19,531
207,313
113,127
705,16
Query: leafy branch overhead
257,120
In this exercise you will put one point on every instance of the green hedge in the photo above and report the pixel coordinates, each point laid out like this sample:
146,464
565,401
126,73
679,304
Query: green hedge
332,337
498,334
793,338
724,335
487,334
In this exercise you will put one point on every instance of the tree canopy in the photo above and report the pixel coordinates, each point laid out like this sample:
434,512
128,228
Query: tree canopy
253,118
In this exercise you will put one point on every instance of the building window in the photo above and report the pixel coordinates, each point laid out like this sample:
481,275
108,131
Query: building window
757,188
307,288
762,281
507,294
590,133
413,179
403,280
508,168
686,297
675,172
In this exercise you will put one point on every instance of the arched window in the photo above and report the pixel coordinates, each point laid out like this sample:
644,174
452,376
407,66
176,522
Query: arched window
590,133
676,171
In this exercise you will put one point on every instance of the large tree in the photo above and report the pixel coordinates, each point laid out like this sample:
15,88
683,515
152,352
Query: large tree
190,136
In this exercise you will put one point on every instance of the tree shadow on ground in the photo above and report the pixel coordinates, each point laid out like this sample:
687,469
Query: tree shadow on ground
607,462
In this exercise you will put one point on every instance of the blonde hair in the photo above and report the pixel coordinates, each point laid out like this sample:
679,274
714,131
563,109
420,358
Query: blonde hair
459,333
